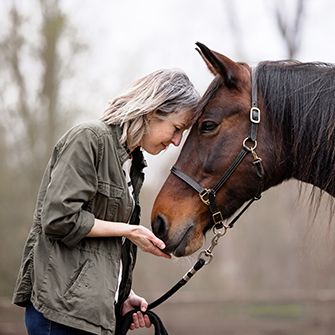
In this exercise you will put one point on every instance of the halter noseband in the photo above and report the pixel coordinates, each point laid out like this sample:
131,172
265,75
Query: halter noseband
207,195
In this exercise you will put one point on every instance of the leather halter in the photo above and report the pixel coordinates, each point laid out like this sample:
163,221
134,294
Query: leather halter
207,195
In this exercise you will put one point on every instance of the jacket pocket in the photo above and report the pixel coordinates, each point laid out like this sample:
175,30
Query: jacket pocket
112,203
90,291
78,279
109,190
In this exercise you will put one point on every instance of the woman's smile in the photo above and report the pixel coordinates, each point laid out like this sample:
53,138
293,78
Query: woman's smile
164,131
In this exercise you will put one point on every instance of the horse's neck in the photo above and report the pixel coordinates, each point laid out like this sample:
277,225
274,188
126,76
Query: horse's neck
312,154
300,108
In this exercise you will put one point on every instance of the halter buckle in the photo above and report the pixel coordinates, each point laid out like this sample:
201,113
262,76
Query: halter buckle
204,196
255,115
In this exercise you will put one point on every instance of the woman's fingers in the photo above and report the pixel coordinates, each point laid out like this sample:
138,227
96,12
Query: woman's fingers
135,320
147,321
157,242
157,252
153,249
148,242
140,321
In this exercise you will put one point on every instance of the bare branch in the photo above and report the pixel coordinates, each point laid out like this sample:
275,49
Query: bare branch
290,31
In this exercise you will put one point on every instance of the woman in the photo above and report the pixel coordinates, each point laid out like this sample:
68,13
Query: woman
77,265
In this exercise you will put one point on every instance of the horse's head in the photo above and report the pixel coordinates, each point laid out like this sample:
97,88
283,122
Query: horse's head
179,216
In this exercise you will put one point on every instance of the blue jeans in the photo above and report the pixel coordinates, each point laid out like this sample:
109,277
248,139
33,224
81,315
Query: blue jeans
37,324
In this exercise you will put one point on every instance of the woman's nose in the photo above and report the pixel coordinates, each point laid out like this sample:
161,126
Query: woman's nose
176,139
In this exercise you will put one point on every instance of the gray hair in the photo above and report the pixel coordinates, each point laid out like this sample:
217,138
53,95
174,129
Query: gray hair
163,91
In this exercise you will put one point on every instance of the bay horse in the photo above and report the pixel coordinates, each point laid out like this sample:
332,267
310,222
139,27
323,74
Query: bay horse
282,112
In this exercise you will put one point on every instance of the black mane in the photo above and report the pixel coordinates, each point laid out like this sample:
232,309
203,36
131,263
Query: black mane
300,102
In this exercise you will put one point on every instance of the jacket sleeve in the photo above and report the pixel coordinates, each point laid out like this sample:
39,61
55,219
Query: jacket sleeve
73,181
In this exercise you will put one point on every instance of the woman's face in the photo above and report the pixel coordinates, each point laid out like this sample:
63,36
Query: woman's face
162,132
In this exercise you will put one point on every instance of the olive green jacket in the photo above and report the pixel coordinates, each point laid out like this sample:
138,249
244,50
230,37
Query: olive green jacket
70,278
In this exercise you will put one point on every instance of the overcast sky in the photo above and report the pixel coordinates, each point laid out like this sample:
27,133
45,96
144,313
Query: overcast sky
149,34
129,38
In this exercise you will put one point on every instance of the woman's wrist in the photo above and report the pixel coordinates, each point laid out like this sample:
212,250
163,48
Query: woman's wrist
103,228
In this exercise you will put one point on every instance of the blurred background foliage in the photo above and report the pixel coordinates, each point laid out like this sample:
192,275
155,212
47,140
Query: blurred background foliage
61,62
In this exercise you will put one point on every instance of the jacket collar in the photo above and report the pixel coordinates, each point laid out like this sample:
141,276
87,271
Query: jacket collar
123,151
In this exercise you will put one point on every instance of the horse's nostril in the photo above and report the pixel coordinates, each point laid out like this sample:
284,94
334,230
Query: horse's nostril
159,227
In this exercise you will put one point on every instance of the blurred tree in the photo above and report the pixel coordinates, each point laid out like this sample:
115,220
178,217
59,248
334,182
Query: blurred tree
290,28
235,28
288,18
36,58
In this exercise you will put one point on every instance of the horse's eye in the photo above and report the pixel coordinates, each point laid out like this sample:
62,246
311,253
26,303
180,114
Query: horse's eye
207,126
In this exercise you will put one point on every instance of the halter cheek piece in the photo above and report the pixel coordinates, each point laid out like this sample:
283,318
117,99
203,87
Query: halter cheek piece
207,195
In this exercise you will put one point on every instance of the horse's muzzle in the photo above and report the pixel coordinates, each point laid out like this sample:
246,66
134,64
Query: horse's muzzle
176,240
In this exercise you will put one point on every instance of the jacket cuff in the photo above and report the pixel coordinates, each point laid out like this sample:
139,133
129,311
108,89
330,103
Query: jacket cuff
86,220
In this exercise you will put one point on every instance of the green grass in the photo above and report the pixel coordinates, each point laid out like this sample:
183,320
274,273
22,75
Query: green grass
264,310
275,311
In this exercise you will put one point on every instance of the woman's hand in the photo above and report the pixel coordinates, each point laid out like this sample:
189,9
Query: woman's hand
146,241
139,235
139,320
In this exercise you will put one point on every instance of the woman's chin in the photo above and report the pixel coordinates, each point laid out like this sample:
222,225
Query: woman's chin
157,150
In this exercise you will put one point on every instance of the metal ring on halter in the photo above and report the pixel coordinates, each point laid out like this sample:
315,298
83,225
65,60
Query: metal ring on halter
205,254
249,148
220,231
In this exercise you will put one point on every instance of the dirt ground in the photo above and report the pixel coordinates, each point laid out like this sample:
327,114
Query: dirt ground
221,317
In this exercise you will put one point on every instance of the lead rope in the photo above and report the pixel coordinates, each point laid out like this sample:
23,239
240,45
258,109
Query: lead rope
204,258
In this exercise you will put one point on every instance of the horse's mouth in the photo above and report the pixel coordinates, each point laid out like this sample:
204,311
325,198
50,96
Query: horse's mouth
178,248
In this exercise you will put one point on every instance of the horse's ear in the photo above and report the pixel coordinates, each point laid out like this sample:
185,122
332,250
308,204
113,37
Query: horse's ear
209,65
218,64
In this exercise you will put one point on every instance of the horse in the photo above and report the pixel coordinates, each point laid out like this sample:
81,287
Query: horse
255,128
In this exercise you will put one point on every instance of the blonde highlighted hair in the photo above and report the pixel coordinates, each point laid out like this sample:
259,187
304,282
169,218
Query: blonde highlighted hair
164,91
